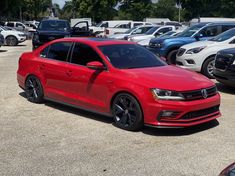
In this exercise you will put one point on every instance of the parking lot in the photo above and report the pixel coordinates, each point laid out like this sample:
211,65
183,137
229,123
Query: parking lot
53,139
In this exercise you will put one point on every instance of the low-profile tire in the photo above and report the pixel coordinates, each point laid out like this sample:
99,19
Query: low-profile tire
11,41
127,112
171,57
34,90
207,67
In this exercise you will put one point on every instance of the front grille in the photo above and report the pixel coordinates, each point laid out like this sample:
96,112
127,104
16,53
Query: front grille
200,94
200,113
181,51
47,38
222,62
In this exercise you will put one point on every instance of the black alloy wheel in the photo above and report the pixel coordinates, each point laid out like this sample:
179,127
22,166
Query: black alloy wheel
127,112
11,41
33,90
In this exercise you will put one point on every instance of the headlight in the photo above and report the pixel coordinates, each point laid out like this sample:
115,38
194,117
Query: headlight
130,39
195,50
159,94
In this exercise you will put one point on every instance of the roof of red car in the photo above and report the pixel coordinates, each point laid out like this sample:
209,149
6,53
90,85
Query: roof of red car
96,41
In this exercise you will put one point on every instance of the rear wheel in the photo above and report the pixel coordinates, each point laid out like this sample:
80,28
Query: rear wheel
207,67
34,90
127,112
11,41
171,57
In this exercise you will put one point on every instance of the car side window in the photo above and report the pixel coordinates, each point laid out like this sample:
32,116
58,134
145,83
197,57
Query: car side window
44,52
227,27
59,51
164,30
210,31
82,54
10,24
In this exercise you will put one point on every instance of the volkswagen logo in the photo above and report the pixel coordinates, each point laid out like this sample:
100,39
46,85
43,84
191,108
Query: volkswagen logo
204,93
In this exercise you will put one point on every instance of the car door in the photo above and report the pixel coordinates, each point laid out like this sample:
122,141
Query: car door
208,32
53,67
87,88
81,29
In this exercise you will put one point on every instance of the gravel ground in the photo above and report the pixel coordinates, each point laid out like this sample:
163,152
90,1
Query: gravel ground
52,139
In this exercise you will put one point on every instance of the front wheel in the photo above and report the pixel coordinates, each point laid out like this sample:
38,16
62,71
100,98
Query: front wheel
11,41
34,90
127,112
208,66
171,57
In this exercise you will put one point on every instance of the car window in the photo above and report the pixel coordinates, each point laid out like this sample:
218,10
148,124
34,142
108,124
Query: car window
59,51
10,24
137,24
106,24
224,36
19,25
164,30
227,27
128,56
44,52
54,25
210,31
82,54
152,30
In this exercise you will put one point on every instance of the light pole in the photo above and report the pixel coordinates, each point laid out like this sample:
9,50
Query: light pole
179,7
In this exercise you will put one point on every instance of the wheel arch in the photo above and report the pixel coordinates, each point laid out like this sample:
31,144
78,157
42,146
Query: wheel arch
211,55
38,77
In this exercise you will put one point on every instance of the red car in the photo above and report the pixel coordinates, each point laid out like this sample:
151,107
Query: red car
119,79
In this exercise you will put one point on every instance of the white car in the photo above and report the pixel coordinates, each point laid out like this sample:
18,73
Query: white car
12,37
200,56
152,33
168,34
135,30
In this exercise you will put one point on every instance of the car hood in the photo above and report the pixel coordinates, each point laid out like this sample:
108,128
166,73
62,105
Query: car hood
200,44
169,78
41,32
118,36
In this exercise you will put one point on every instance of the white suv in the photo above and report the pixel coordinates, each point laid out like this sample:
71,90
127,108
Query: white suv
200,56
12,37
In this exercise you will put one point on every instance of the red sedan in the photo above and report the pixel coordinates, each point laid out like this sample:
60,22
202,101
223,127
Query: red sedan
119,79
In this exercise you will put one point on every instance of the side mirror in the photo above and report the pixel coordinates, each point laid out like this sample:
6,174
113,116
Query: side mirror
95,65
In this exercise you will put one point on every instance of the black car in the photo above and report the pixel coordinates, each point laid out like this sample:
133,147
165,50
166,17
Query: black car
52,29
224,70
1,40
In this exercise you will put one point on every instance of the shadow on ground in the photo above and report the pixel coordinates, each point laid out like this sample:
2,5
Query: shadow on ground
2,51
146,130
225,89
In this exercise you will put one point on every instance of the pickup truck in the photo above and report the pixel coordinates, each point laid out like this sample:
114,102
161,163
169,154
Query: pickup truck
123,27
52,29
168,47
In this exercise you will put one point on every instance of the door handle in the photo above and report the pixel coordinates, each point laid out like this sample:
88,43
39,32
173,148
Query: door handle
69,73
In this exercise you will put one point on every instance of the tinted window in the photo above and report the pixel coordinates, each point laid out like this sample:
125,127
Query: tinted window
151,31
59,51
192,30
82,54
224,36
10,24
19,25
44,52
137,24
210,31
227,27
54,25
164,30
127,56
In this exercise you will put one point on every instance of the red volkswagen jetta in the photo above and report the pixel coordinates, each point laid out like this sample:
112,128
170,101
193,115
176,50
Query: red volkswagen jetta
117,78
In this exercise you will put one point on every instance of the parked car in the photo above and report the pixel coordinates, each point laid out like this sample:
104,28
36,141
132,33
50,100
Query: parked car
228,171
123,27
200,56
152,33
167,34
12,37
17,25
133,31
1,40
120,79
51,29
168,47
224,69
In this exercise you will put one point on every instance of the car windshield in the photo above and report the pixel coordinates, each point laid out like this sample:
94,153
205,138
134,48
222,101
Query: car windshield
54,25
168,34
190,31
129,56
130,30
224,36
152,30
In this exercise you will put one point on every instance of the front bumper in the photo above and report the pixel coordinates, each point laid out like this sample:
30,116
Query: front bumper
185,109
183,62
226,77
21,39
